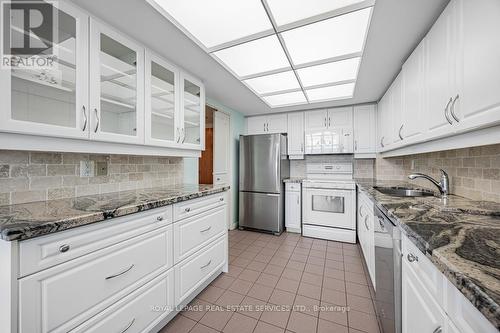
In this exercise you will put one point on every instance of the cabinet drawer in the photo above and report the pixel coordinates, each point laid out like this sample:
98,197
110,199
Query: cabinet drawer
43,252
138,312
196,206
428,274
295,187
193,233
220,178
191,273
60,298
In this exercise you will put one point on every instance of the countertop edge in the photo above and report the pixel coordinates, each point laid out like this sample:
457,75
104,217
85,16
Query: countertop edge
19,233
481,300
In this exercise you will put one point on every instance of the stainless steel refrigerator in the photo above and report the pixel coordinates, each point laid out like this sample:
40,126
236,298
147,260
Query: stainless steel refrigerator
263,166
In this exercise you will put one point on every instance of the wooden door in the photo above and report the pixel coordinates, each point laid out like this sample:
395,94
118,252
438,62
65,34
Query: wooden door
205,169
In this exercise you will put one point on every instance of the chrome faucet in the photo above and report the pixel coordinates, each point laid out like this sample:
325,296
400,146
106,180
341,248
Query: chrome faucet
443,185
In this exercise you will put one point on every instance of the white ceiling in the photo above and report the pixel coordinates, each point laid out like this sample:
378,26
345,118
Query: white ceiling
396,28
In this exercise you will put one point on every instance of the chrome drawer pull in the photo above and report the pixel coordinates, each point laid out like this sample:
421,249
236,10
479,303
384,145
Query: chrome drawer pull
97,120
438,330
128,326
452,109
446,111
221,199
86,119
207,264
121,273
207,229
159,218
411,257
187,210
64,248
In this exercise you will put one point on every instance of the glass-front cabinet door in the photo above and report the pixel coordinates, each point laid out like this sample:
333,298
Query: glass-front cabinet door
44,83
161,102
193,113
116,86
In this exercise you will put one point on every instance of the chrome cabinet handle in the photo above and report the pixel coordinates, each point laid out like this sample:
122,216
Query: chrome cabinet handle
438,330
361,211
446,111
411,257
86,119
366,223
329,121
98,122
205,230
325,122
120,273
382,142
264,127
400,130
452,109
187,210
183,135
64,248
178,135
207,264
159,218
221,199
355,145
128,326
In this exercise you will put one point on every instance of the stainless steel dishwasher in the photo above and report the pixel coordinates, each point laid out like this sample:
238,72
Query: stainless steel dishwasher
387,273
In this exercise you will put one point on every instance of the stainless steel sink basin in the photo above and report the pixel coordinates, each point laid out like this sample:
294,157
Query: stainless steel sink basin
403,192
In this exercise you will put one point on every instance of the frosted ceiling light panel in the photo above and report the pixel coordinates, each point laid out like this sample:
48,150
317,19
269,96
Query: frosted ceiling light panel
329,93
257,56
217,22
330,72
272,83
338,36
288,11
285,99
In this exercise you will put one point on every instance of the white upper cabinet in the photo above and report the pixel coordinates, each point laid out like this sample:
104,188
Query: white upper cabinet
296,135
384,120
365,131
192,115
316,120
50,101
276,123
397,110
439,73
161,102
116,86
478,101
414,113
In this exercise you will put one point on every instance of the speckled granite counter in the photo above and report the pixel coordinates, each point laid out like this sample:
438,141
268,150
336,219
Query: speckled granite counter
23,221
460,236
293,180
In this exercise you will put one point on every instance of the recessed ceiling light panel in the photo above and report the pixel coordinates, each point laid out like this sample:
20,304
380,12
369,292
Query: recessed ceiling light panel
335,37
217,22
258,56
285,99
330,72
273,83
341,91
289,11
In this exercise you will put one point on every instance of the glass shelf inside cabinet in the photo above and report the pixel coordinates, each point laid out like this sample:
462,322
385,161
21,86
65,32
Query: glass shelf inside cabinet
192,114
162,103
47,95
118,70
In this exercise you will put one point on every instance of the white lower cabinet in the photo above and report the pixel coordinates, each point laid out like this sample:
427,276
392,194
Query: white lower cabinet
431,303
366,234
293,207
138,312
128,280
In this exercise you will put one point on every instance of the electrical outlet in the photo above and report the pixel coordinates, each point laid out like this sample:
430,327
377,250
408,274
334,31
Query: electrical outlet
101,169
86,168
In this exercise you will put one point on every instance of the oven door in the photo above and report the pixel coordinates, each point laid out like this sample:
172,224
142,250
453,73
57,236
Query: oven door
329,208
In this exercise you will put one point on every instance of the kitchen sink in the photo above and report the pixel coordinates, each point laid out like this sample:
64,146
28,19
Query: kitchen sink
403,191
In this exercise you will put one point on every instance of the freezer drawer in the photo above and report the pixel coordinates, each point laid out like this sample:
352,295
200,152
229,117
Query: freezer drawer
264,211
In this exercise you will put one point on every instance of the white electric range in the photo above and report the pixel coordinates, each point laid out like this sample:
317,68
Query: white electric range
329,202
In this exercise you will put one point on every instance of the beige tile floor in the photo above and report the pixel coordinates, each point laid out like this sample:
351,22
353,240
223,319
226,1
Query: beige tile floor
287,283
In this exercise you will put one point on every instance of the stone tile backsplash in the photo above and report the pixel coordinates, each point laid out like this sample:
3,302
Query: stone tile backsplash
363,168
474,172
35,176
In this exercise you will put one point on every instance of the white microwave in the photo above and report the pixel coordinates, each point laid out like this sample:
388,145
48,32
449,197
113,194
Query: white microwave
337,140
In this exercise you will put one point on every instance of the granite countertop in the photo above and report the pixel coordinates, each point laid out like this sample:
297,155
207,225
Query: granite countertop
460,236
24,221
293,180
